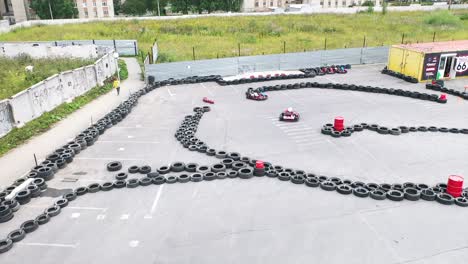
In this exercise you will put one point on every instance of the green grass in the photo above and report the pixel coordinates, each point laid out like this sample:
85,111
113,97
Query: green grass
123,71
18,136
14,78
214,37
443,18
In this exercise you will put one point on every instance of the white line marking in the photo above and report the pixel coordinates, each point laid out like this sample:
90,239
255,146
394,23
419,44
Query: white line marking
148,217
123,141
83,158
156,200
121,149
129,136
138,125
133,243
47,245
169,92
90,180
298,129
75,215
100,217
209,91
87,208
295,133
124,217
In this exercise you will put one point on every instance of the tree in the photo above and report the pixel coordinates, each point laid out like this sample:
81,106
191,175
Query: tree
117,7
60,8
181,6
134,7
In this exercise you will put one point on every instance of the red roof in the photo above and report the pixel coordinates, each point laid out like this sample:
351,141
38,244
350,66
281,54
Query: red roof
431,47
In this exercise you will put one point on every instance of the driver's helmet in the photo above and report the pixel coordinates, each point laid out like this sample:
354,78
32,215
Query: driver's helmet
289,109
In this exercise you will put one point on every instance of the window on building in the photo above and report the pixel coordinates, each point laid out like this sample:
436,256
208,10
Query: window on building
104,3
95,13
321,3
94,3
271,3
86,13
256,3
106,13
329,3
279,3
84,3
336,2
343,3
264,3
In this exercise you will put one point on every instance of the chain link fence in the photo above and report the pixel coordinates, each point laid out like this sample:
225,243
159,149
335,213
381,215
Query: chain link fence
287,61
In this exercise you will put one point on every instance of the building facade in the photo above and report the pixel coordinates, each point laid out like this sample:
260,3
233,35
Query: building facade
95,8
294,5
15,10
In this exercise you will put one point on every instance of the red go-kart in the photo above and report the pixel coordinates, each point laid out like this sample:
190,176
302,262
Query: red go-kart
206,100
255,95
289,115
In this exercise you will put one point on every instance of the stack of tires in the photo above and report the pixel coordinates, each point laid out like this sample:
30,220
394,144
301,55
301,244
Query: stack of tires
399,75
439,88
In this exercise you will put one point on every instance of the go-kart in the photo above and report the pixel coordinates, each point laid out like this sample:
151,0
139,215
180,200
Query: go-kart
206,100
255,95
289,115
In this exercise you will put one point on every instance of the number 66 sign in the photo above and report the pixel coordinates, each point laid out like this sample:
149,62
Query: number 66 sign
462,64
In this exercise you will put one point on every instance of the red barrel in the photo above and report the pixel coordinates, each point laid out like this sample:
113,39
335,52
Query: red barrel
259,164
455,185
339,123
443,97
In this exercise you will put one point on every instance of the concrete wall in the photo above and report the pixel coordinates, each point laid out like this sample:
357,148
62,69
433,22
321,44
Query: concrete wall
55,90
122,46
37,50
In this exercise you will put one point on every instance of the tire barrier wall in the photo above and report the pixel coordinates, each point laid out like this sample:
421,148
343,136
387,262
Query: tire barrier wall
127,47
328,129
232,165
288,61
439,88
55,90
399,75
352,87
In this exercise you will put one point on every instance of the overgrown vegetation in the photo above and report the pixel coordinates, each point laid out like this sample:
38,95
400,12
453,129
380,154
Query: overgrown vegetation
14,77
18,136
214,37
443,18
123,71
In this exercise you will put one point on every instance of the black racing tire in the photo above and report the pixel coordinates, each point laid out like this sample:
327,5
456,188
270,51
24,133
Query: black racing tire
361,192
42,219
221,175
443,129
159,180
107,186
69,196
445,198
164,170
422,128
196,177
118,184
17,235
383,130
227,162
53,210
409,185
284,176
356,184
232,174
221,154
395,195
246,173
297,179
344,189
326,130
133,169
114,166
132,183
234,155
183,178
322,178
371,186
5,245
433,129
404,129
237,165
378,194
144,169
461,201
335,134
191,167
23,197
61,202
29,226
398,187
203,169
422,186
121,176
327,186
209,176
218,167
94,187
454,130
412,194
177,166
170,179
145,181
395,131
210,152
312,182
413,129
81,190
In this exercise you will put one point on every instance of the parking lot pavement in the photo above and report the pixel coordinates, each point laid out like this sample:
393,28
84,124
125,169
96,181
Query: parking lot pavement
261,220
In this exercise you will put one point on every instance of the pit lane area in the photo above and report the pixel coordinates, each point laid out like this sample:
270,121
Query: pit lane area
262,220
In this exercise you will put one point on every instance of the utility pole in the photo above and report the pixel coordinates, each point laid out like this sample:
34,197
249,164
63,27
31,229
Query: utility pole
50,10
159,11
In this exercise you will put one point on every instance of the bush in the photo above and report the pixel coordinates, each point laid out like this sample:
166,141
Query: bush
442,18
425,3
368,3
463,16
401,4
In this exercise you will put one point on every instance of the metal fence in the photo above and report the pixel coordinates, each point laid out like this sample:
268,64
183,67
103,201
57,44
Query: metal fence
126,47
287,61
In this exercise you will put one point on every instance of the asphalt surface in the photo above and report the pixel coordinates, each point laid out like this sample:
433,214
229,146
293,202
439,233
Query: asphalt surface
262,220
